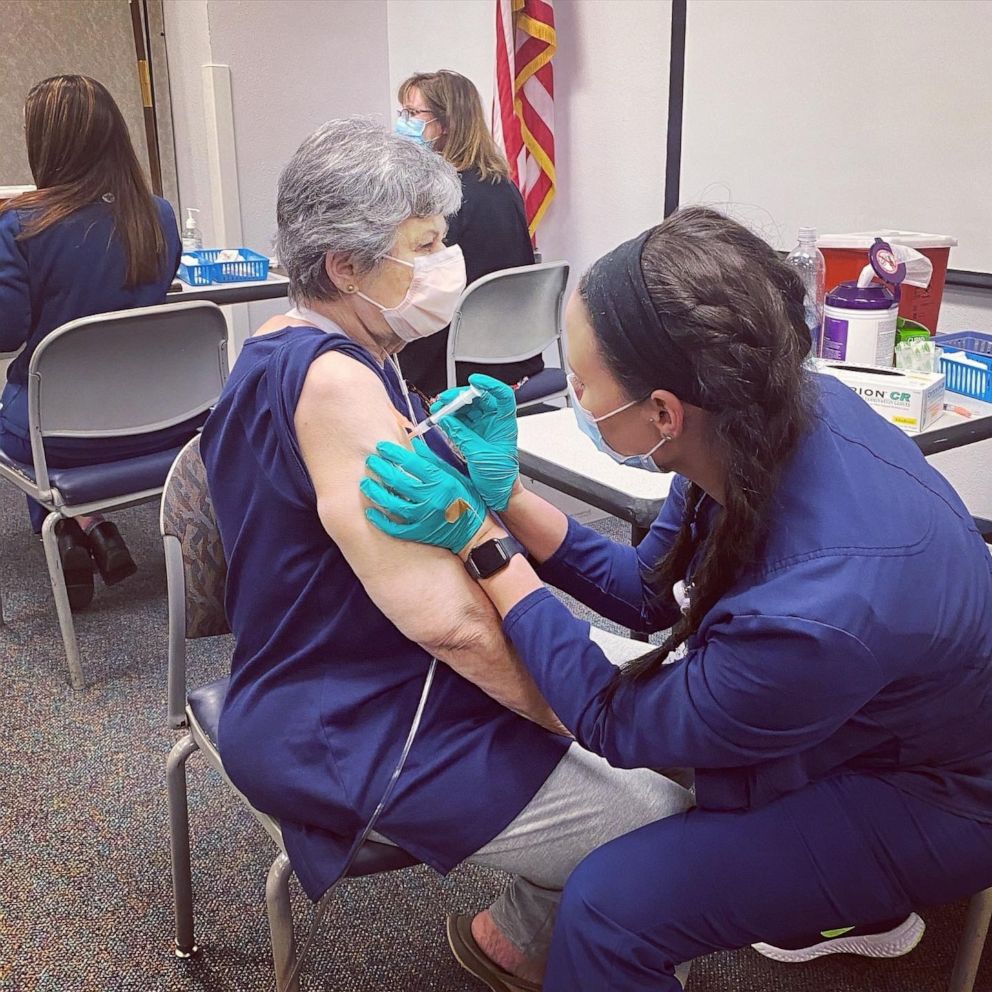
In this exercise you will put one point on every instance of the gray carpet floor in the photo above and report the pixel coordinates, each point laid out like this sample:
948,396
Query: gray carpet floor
85,891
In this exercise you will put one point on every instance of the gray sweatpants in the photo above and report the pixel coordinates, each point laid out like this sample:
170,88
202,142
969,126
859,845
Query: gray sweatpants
584,803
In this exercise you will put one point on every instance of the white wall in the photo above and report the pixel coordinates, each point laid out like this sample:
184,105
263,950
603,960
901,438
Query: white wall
965,309
794,120
427,35
294,64
187,36
611,106
321,60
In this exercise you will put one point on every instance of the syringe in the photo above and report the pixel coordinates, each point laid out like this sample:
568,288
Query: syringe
466,396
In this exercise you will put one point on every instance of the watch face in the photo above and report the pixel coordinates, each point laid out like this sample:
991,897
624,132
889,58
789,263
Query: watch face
489,557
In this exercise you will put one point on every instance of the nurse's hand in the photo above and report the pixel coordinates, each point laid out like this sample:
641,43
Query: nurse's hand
416,496
485,432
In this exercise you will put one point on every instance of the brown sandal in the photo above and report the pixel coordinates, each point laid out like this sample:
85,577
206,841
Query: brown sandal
476,962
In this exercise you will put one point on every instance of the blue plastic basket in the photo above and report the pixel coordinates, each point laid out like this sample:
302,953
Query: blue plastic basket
966,379
208,270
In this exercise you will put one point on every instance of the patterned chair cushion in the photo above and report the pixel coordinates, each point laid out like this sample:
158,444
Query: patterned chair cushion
188,515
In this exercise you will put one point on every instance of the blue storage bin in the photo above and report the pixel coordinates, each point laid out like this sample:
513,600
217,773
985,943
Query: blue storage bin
967,379
207,270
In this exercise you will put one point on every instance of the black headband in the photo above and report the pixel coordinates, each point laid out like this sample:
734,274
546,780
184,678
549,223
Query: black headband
622,312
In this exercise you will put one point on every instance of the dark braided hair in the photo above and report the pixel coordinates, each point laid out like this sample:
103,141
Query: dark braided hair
735,311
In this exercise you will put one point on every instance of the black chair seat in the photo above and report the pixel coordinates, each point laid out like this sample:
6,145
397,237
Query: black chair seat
206,704
374,857
99,482
547,382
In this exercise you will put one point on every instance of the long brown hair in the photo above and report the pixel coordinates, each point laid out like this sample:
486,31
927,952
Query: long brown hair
466,142
735,310
79,151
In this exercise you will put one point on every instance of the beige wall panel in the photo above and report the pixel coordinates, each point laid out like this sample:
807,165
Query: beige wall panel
44,38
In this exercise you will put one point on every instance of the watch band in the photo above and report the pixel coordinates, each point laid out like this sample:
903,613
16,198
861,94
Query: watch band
492,556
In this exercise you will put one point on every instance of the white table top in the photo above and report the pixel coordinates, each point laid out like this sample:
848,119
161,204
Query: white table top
223,293
949,418
954,430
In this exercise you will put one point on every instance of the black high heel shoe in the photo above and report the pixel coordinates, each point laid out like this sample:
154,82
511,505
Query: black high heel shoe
110,553
77,566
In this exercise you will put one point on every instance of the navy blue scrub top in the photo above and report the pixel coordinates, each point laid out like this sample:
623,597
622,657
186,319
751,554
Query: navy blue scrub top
323,686
73,269
862,639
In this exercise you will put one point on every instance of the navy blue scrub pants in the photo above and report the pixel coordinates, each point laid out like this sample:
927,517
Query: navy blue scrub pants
850,849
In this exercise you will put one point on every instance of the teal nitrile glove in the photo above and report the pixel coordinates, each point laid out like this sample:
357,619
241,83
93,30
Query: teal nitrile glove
485,432
427,500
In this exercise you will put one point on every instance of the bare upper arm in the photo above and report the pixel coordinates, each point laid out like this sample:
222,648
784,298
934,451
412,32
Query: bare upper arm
343,412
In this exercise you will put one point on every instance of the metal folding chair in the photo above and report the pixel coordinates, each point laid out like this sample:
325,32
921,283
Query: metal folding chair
972,943
196,572
120,374
510,316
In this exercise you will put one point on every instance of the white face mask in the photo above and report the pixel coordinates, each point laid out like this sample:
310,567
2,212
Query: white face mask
438,281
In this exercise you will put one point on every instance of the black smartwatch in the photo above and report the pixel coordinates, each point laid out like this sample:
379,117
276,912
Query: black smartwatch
488,558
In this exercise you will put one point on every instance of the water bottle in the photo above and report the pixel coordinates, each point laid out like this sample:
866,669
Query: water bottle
808,261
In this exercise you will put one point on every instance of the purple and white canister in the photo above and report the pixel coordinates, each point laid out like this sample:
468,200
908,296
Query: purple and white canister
859,324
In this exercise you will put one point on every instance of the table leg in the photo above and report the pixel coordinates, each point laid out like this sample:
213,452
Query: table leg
637,534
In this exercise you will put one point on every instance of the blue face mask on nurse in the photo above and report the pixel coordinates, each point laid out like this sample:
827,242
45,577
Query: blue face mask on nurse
589,425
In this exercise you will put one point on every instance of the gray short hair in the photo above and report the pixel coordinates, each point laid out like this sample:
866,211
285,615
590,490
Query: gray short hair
347,189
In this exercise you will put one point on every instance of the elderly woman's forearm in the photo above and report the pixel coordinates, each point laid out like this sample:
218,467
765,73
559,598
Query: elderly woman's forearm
477,649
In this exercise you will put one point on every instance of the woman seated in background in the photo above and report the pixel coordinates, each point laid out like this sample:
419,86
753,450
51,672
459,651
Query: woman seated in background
443,111
90,239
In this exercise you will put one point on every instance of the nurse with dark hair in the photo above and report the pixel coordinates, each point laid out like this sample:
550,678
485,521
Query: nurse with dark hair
827,666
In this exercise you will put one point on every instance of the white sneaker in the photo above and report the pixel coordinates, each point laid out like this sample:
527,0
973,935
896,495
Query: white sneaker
881,941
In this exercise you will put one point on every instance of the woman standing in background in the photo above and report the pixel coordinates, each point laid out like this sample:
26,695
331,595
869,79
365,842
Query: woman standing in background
90,239
443,110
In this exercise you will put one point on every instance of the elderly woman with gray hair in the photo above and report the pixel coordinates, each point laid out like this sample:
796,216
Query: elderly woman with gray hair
337,625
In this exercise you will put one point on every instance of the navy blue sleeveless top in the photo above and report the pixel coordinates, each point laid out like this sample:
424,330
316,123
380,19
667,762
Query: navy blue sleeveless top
323,686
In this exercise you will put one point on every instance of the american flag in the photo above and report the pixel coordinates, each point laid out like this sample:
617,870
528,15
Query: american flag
523,99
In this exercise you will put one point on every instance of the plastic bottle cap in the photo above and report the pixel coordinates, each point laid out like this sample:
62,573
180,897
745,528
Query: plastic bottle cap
807,234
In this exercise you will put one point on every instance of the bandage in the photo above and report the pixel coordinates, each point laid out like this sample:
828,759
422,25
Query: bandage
455,510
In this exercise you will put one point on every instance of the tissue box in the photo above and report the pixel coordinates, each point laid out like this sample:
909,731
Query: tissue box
910,400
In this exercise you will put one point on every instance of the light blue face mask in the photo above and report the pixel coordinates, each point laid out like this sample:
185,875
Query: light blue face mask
413,129
589,425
